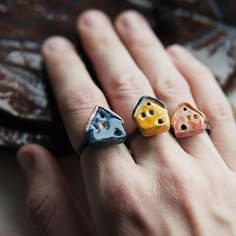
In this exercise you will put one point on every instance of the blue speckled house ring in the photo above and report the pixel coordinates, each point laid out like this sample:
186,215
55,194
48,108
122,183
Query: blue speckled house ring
105,128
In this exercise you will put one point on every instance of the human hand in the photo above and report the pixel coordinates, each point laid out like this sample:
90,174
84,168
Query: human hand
167,186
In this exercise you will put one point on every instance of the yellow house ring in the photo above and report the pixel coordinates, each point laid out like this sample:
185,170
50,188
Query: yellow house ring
151,116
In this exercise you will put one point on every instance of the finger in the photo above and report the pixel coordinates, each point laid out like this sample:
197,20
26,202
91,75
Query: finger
167,82
49,202
124,83
211,100
75,92
152,58
121,79
77,95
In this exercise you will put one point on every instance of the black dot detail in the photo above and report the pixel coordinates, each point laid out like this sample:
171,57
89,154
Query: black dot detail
117,132
95,126
151,112
183,127
143,115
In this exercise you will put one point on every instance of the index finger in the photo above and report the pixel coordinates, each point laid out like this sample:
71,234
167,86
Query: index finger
75,92
77,95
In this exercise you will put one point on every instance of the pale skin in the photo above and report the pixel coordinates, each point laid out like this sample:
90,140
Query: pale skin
167,187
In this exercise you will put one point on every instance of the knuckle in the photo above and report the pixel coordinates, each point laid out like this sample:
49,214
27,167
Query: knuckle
172,87
128,83
132,194
64,64
117,189
126,208
178,186
219,111
129,197
141,43
41,210
75,102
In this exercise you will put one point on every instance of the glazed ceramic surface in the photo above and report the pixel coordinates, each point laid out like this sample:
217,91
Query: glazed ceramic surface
105,128
151,116
187,121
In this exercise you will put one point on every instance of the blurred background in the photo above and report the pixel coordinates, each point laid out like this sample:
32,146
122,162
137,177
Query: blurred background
28,112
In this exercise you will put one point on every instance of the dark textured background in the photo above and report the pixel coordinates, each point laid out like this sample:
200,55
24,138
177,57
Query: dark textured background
27,109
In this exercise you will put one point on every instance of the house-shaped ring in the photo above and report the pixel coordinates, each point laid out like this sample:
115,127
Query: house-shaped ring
187,121
151,116
105,128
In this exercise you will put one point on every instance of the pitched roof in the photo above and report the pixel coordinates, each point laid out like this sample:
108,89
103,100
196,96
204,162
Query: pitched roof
143,98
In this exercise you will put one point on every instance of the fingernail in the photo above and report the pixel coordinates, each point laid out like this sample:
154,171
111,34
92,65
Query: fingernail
93,18
177,51
26,161
57,44
132,20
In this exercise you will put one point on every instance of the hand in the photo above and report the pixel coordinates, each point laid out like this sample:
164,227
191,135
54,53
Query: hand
168,186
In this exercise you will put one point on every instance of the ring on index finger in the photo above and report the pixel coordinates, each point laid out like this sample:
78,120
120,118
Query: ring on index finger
105,128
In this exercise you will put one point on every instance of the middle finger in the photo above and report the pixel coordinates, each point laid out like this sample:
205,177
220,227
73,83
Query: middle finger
123,82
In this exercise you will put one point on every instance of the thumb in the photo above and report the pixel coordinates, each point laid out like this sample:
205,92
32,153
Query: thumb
50,204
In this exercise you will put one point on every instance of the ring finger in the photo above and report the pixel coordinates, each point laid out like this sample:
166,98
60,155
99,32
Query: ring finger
216,107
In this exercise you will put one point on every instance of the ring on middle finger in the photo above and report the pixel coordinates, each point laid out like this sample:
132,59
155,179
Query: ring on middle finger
151,116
